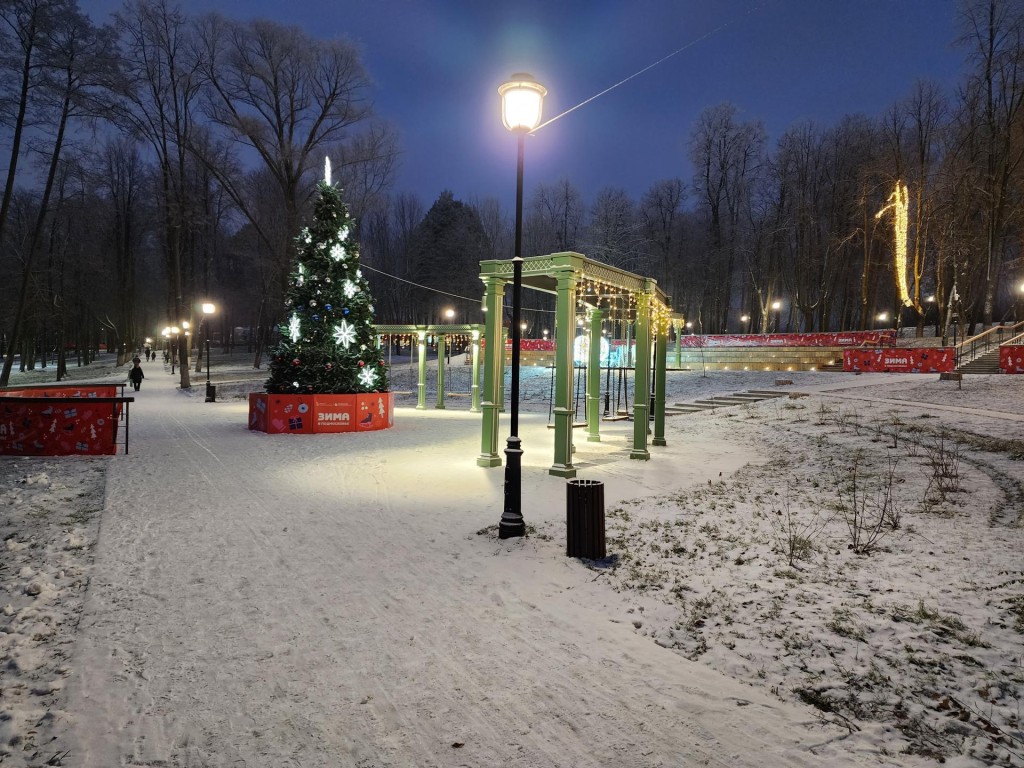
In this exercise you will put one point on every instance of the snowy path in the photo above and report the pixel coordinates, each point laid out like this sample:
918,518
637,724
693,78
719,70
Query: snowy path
327,601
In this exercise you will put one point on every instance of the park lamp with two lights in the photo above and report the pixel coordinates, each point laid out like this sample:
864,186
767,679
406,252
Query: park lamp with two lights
522,98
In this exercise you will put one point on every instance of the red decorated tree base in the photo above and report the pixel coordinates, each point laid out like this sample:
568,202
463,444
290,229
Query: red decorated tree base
316,414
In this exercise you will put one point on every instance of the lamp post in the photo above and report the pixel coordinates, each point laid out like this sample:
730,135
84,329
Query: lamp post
745,319
176,331
521,101
449,316
211,391
777,308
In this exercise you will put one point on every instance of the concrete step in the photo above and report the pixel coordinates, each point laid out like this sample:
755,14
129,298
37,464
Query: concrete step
766,393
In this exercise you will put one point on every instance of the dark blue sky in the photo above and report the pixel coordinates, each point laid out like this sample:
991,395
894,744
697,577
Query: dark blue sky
437,65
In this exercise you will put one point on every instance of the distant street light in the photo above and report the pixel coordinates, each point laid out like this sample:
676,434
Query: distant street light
522,98
176,332
777,308
449,316
211,391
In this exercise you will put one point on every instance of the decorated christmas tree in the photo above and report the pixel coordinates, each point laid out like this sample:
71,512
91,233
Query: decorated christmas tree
328,344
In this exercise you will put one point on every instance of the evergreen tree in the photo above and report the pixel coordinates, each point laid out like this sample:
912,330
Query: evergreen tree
328,344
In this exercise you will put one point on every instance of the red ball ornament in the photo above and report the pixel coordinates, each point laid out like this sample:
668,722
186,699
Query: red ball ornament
329,366
296,361
361,363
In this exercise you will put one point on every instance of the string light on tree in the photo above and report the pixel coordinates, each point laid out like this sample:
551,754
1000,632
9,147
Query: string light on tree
898,203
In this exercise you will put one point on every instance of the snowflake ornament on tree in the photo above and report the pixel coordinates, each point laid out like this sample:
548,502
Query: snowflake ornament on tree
327,342
344,334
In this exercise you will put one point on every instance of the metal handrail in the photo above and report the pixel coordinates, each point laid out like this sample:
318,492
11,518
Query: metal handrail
971,348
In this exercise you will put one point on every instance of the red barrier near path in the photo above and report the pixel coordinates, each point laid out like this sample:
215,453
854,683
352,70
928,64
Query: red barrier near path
691,341
931,360
1011,358
73,423
843,339
319,414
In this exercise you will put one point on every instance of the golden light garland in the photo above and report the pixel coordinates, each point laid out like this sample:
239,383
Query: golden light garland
899,202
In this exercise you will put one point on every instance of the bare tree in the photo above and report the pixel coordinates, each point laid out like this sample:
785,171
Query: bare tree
993,33
291,99
71,58
727,155
555,221
613,233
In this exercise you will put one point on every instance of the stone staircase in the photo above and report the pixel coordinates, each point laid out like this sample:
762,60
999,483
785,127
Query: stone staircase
987,362
723,401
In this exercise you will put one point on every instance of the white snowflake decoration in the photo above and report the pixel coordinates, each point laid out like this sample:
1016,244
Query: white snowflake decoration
350,289
293,329
337,253
368,377
344,334
301,279
343,234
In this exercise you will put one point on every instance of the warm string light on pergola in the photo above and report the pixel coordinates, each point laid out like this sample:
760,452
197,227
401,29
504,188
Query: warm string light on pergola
619,301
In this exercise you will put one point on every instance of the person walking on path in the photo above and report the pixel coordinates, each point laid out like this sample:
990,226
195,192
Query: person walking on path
136,375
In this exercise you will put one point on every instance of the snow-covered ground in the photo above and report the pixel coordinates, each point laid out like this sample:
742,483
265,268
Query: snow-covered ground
834,577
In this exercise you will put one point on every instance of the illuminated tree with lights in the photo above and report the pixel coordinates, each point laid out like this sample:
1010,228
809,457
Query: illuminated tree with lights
898,203
328,344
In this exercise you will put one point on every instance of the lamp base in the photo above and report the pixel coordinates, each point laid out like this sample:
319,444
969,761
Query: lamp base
512,524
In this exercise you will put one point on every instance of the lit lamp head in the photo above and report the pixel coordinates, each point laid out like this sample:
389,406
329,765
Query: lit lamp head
208,308
175,330
521,101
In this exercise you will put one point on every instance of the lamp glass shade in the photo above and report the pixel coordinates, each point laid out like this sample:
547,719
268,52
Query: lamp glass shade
209,309
521,101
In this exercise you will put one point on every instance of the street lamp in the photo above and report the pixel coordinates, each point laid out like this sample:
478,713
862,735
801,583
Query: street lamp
521,101
175,331
777,307
883,316
449,315
745,319
211,391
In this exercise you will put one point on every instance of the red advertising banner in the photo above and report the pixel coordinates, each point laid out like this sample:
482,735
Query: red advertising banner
691,341
1011,358
844,339
31,426
375,411
334,413
317,414
928,360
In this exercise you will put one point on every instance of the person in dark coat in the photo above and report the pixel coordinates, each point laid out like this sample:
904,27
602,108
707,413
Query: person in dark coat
136,374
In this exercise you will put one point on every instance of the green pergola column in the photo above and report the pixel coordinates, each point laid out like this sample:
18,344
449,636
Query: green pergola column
474,387
494,357
441,343
594,377
660,355
421,383
565,335
642,378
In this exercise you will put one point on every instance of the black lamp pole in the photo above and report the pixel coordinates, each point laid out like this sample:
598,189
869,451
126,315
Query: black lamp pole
512,523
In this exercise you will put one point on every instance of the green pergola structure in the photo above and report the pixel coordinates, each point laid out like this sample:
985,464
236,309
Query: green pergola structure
600,290
440,332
